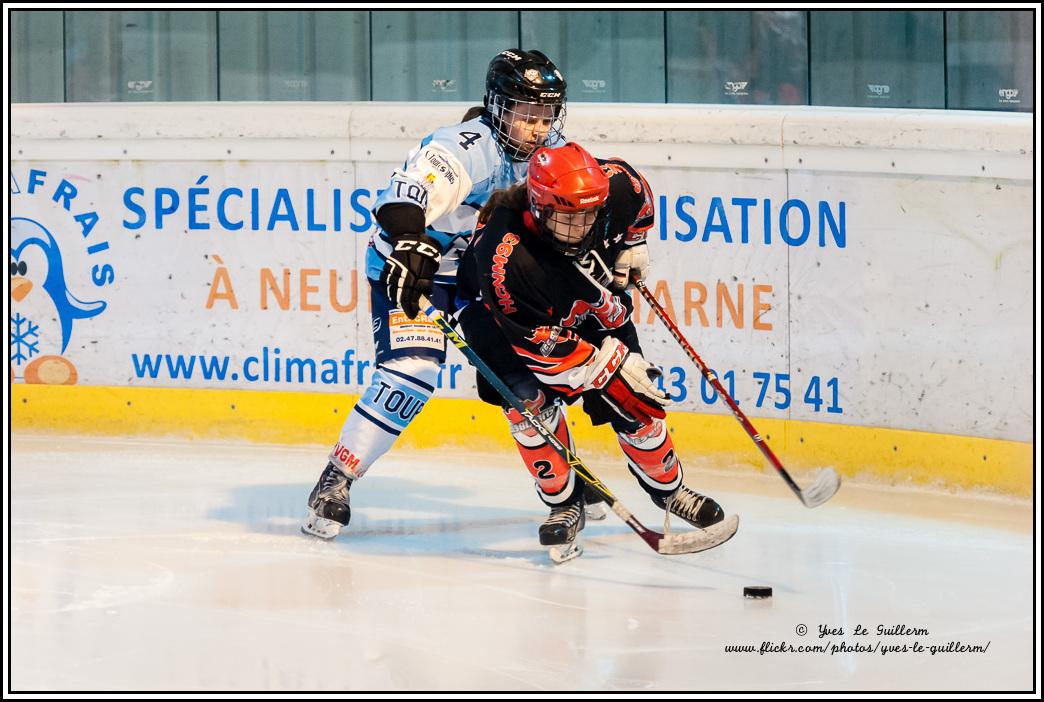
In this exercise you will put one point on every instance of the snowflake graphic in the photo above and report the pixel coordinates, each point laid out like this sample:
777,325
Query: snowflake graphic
25,342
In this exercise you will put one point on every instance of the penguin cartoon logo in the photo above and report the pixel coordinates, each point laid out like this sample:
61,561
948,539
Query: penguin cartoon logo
36,261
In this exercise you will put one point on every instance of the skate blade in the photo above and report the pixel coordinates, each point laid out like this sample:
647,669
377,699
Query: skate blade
565,552
314,525
597,512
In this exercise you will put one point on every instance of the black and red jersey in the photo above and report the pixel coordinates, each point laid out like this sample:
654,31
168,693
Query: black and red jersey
552,310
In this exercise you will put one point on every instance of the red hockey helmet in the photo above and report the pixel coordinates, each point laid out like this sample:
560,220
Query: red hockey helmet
567,194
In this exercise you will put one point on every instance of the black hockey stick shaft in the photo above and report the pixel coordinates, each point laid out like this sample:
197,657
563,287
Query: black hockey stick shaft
759,441
653,538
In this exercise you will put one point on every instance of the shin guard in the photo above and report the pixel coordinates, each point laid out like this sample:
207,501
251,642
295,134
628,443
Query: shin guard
397,393
556,483
651,457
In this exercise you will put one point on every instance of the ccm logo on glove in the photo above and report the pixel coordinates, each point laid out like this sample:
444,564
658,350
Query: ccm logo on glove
410,271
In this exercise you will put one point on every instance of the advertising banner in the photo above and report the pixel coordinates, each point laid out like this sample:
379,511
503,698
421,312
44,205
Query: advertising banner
897,300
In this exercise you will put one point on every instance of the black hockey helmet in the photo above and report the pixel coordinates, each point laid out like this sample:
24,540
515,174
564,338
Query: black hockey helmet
517,79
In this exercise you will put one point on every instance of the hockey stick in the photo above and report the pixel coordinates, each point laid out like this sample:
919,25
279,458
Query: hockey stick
827,482
666,544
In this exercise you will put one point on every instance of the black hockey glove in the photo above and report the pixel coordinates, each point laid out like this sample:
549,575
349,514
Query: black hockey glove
410,270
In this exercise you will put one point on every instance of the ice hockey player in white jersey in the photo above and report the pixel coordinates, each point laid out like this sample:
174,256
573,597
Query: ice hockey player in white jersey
426,217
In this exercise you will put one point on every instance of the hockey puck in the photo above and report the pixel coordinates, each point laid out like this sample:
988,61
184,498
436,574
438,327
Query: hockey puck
757,592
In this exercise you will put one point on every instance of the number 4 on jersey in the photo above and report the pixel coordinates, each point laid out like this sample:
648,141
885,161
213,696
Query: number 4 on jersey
469,138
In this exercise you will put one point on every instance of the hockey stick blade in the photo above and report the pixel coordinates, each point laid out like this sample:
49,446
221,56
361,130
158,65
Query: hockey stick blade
700,540
826,484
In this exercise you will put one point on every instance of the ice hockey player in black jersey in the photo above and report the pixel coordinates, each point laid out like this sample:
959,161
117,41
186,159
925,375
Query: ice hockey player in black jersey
544,280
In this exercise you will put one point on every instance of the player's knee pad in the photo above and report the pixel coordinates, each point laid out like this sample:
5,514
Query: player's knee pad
555,481
651,457
397,393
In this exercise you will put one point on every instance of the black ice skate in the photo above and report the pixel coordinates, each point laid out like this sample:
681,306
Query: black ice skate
699,510
328,509
560,530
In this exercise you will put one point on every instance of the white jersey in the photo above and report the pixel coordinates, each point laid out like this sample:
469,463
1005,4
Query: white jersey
450,176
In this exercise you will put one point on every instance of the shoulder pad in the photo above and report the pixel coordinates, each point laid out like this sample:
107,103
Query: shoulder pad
473,144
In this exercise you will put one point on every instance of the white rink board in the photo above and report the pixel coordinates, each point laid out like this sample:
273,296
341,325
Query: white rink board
165,265
934,300
929,336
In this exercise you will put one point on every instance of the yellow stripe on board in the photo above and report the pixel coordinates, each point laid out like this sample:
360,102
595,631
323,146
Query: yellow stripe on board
316,418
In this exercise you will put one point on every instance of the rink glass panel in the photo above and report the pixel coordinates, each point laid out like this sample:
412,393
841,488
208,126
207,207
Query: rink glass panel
140,56
294,55
437,55
988,56
36,39
877,59
867,58
740,58
611,56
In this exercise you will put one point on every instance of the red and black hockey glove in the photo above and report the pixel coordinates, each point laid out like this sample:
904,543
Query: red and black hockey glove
627,382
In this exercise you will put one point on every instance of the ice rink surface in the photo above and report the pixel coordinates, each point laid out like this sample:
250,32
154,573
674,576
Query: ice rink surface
178,565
